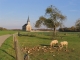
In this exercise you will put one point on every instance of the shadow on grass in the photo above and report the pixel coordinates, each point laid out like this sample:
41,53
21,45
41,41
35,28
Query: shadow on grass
35,36
43,38
7,53
45,45
8,45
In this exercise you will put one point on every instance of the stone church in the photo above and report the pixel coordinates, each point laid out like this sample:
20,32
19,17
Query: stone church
27,26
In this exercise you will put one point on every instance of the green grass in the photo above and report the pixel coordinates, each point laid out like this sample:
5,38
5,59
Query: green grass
7,51
32,40
7,32
35,40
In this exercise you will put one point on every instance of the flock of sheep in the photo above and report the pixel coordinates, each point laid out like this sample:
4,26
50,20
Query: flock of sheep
53,44
61,45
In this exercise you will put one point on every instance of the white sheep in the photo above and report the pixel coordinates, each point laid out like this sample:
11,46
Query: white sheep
63,44
53,42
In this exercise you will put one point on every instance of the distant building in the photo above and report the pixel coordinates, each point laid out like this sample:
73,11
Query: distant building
27,26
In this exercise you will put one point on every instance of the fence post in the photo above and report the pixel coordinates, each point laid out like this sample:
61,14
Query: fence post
17,48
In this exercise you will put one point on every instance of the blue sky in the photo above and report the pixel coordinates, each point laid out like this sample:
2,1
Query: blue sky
14,13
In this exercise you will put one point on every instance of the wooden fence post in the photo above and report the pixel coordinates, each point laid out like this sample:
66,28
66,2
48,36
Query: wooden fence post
17,49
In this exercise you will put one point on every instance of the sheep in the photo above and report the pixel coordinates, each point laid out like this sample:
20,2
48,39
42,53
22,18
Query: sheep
63,44
53,42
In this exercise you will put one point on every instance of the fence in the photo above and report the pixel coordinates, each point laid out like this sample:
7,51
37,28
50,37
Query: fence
19,54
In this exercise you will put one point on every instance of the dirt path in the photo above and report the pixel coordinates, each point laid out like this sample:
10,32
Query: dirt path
3,38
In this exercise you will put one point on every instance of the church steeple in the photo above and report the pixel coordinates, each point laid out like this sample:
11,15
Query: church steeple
28,19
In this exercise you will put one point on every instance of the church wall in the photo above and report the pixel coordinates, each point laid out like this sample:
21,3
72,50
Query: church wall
28,28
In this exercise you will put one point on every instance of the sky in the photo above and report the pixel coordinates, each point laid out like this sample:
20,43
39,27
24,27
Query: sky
14,13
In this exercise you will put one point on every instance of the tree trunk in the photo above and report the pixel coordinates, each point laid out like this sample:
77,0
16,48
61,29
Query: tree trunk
54,30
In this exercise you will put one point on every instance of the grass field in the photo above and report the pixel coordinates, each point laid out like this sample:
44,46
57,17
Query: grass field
35,42
7,51
7,32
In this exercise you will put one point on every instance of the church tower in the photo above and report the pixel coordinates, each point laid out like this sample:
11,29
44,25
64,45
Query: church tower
28,27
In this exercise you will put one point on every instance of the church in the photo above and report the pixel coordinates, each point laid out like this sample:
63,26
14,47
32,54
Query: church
27,26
